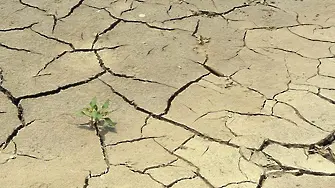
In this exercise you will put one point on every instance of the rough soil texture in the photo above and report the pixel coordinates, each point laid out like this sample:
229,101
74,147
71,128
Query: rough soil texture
206,93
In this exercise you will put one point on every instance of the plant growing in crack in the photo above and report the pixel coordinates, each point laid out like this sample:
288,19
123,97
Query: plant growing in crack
98,116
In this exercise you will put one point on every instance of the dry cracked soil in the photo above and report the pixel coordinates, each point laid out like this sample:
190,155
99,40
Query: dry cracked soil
205,93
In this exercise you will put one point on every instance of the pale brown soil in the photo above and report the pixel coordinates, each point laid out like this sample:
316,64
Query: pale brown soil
206,93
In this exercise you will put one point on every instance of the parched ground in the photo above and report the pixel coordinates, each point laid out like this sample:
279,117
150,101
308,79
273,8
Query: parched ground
205,93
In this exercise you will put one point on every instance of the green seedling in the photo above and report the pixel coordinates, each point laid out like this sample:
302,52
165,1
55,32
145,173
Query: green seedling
98,116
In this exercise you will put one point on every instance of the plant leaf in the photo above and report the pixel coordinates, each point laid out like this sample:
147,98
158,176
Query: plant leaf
86,112
81,113
109,122
104,112
93,103
96,115
105,105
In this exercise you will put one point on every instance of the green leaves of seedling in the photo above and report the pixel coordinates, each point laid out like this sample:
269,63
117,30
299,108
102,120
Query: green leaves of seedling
86,112
93,104
98,116
105,105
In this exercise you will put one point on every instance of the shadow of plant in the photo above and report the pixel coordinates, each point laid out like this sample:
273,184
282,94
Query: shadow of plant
102,129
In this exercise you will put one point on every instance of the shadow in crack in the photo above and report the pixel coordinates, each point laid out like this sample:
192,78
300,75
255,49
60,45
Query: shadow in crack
103,130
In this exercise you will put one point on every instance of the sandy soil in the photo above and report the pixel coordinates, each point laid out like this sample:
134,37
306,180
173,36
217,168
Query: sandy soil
206,93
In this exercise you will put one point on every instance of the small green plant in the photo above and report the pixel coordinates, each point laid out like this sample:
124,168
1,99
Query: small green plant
98,117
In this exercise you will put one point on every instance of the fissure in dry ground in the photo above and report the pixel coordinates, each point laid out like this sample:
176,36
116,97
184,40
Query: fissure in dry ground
236,94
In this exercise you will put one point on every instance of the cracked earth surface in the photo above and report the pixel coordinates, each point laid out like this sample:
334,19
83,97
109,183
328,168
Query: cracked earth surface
206,93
